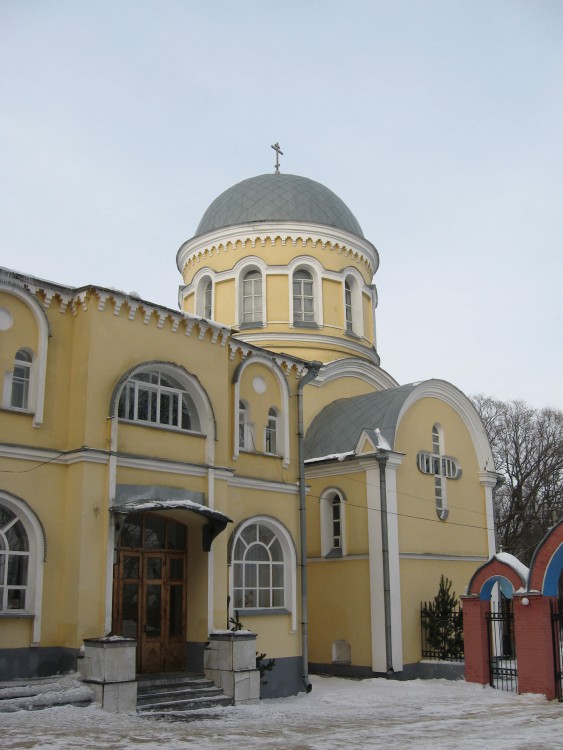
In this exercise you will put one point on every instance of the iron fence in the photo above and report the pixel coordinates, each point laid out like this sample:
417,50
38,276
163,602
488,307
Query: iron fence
441,635
503,669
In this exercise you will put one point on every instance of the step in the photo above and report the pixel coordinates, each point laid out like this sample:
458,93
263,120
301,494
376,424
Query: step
167,707
178,693
157,694
43,692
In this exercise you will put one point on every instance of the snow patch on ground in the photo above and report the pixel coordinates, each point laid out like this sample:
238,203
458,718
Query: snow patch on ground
339,713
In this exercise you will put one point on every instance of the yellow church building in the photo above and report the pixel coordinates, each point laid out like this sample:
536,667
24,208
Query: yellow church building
163,469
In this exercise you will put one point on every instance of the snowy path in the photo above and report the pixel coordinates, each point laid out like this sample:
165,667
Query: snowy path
427,715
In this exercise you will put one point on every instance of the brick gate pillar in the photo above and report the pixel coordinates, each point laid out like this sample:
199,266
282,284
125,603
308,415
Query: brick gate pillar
476,639
534,644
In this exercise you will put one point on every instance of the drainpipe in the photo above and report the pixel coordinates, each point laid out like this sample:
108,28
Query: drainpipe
311,374
382,458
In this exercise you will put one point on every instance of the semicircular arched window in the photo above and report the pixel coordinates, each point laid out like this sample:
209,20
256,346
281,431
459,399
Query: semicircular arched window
303,298
157,398
21,379
14,562
251,300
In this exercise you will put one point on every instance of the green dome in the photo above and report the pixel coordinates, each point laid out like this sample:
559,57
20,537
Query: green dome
278,197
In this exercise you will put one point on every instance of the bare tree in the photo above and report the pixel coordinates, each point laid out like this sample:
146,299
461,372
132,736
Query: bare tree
527,446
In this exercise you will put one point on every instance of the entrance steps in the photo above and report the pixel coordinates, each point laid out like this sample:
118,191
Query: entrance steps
172,694
31,694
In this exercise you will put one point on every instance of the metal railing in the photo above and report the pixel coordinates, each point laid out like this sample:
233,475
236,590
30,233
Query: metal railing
503,669
441,636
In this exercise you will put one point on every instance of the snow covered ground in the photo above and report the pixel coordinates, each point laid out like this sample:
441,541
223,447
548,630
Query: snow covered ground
422,714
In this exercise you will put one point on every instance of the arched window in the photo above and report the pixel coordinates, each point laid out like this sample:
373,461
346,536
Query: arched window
303,298
263,567
245,434
251,300
22,549
332,523
20,379
348,306
207,299
204,298
271,436
14,562
157,398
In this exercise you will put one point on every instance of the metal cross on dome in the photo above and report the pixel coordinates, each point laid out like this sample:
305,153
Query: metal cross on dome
278,151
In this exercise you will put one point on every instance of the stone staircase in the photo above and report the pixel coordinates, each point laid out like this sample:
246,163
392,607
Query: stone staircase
173,695
43,692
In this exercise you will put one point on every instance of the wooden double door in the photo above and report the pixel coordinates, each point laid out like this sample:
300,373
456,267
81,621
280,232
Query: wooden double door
150,605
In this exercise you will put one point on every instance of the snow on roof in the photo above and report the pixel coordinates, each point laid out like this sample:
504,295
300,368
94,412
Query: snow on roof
330,457
514,563
184,504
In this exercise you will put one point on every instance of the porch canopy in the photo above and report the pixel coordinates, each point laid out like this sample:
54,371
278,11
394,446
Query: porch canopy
174,502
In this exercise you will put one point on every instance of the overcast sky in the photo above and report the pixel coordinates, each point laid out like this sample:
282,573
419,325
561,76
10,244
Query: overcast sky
440,125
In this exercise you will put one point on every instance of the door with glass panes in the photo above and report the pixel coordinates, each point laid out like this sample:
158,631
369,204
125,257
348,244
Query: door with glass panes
150,590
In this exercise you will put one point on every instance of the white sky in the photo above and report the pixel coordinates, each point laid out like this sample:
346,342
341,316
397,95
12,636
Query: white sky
376,713
439,123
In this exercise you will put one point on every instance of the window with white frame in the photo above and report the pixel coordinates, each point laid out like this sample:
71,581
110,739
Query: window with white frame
245,433
155,397
263,566
442,467
251,299
207,299
14,562
303,298
204,298
21,378
271,432
332,523
348,306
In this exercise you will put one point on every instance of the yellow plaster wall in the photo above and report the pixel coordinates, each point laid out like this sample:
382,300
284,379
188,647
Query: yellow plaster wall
339,609
420,530
420,580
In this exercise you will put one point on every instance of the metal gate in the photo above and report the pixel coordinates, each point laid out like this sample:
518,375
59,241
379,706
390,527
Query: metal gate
557,640
503,671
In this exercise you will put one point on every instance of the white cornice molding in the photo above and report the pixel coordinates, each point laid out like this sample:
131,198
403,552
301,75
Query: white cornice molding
432,556
222,240
262,485
295,335
355,368
82,299
98,456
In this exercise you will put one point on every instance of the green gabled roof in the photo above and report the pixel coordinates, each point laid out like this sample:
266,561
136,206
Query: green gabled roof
337,428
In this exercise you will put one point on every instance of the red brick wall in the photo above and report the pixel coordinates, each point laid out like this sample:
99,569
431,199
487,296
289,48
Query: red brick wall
475,637
494,568
534,646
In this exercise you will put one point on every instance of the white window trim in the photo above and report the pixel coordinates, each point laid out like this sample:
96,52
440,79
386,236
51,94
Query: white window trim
283,411
327,496
201,285
191,385
39,366
36,540
441,467
276,420
252,263
316,271
248,443
356,283
290,566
